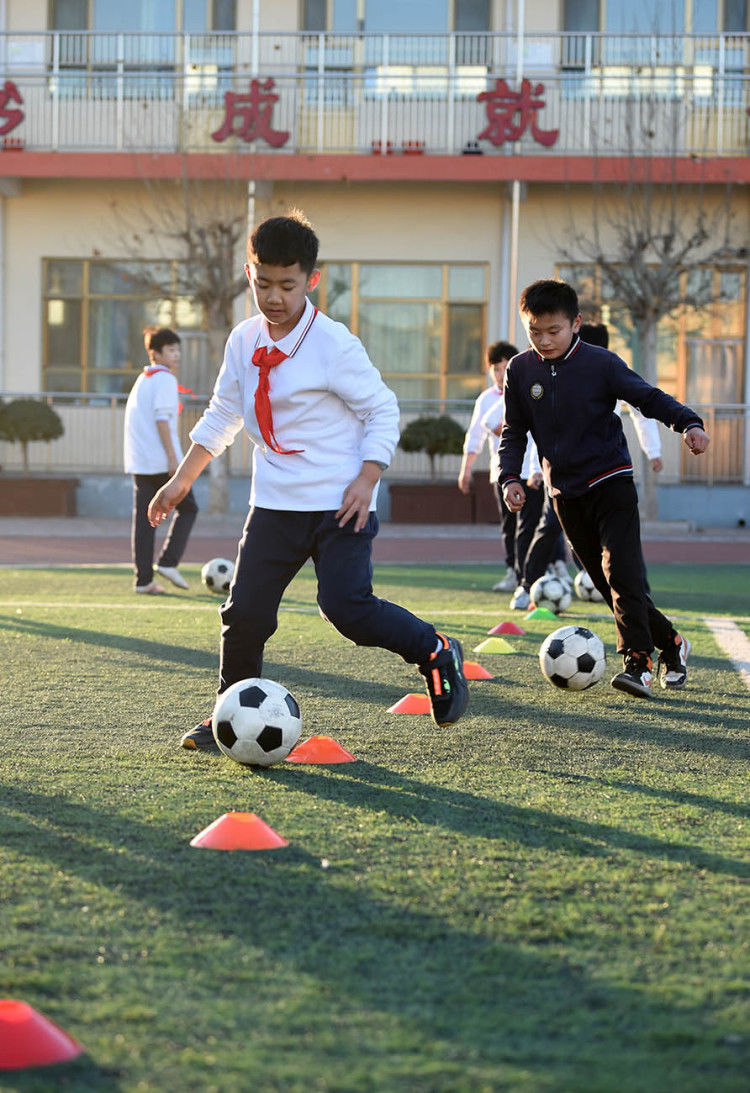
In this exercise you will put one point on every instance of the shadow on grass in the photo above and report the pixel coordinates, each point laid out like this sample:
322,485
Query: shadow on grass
383,790
493,1004
152,651
679,796
717,728
81,1075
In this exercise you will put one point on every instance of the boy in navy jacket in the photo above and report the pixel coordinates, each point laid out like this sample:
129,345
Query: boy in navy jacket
564,392
324,426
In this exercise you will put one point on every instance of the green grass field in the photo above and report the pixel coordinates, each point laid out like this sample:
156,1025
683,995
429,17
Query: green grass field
550,896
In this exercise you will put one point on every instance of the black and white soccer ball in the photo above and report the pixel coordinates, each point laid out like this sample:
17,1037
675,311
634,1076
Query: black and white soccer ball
217,575
550,592
585,588
573,658
256,722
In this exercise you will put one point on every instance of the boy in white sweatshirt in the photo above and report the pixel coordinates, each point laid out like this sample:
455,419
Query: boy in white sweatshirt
325,427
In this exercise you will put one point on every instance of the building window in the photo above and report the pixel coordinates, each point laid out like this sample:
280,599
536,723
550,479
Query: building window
396,17
707,17
422,324
112,16
94,312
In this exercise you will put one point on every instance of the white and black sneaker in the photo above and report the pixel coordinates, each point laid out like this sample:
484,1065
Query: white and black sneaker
520,600
508,583
635,678
672,668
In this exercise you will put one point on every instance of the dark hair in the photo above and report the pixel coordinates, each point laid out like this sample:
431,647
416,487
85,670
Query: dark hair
500,351
548,297
594,334
157,339
284,240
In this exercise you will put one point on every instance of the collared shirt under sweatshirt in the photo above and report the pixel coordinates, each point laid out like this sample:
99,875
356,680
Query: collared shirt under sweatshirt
568,405
327,398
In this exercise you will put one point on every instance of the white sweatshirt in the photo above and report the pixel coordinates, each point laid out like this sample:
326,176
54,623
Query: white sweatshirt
492,420
152,398
327,398
646,429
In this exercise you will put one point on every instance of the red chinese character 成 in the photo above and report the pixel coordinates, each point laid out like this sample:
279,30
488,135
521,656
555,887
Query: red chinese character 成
9,116
253,113
502,107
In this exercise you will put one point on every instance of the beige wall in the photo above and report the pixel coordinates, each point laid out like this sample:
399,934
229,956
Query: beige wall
26,14
51,218
387,222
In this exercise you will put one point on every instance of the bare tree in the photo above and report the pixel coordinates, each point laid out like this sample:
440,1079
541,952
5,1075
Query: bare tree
654,242
195,230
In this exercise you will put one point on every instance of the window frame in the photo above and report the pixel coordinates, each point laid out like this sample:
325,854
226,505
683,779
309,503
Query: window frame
474,382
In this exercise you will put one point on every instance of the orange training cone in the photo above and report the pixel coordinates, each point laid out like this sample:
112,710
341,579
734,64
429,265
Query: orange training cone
238,831
506,628
27,1038
411,703
474,670
320,749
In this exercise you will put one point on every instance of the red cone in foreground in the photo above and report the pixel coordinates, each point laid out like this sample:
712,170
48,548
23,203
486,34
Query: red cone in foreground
474,670
506,628
238,831
411,703
27,1038
320,749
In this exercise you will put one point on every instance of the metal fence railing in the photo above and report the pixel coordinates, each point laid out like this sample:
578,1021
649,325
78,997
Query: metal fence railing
93,436
379,94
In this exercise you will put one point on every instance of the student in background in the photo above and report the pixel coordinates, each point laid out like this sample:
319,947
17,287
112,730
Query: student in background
496,360
152,453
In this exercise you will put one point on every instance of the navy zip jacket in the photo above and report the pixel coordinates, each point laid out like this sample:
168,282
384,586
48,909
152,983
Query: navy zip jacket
568,406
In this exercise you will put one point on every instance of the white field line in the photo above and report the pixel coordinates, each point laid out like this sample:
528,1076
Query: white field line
173,602
734,643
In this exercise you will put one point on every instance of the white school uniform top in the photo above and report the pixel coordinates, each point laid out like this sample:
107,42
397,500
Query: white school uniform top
646,429
153,398
493,419
476,434
327,398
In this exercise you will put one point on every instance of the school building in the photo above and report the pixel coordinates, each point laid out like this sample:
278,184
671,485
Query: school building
448,152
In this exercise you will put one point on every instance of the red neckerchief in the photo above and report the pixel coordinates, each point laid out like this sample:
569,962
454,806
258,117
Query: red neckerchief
160,368
265,361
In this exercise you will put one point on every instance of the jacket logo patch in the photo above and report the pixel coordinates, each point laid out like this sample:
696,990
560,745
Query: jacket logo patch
536,390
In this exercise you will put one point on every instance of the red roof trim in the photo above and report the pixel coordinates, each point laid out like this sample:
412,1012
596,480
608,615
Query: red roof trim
280,166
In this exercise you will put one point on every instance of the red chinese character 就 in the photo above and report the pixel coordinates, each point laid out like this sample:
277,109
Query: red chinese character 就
252,113
510,112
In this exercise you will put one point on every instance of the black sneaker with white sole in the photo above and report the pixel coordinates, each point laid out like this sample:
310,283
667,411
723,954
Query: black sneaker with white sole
201,738
446,682
672,668
635,678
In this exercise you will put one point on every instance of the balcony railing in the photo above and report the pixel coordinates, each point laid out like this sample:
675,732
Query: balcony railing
376,94
93,438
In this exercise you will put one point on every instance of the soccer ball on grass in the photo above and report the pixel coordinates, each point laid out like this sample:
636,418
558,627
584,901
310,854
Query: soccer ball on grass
256,722
217,575
572,658
585,588
550,592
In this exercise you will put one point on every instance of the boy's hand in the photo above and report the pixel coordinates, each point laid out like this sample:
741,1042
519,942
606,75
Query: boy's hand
171,493
515,496
357,497
697,440
464,481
